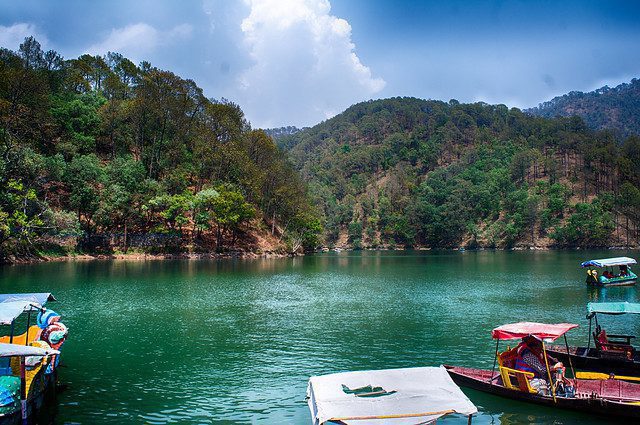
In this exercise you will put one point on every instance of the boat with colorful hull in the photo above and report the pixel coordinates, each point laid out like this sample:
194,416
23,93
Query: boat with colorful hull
28,361
22,396
601,272
610,397
610,353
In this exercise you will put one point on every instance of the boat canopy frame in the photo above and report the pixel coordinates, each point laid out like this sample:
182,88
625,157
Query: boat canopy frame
13,305
548,332
542,331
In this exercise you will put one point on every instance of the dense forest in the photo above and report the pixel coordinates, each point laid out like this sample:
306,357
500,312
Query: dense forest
616,109
98,154
406,172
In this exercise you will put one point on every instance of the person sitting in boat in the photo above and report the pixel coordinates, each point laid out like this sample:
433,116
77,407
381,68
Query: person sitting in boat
530,359
624,270
608,274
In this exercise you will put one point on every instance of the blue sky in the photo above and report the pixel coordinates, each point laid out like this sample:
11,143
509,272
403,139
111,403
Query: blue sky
297,62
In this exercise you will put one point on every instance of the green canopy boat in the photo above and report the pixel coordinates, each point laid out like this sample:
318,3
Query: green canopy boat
610,353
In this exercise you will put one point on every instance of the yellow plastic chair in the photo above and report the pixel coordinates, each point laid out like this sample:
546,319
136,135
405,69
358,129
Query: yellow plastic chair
513,379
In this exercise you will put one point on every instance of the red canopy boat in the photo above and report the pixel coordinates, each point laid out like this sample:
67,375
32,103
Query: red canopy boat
608,397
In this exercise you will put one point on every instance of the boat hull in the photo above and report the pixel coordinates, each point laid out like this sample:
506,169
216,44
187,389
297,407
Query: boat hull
624,282
35,404
607,397
615,281
588,359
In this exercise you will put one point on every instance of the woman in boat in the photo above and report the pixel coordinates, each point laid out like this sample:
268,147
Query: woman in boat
530,358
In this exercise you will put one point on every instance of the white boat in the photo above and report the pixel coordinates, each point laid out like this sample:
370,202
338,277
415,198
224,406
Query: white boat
409,396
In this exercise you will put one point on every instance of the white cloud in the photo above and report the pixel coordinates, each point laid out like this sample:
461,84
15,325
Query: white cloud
305,67
12,36
136,41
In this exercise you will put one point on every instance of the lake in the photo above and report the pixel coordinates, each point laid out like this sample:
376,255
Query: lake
235,341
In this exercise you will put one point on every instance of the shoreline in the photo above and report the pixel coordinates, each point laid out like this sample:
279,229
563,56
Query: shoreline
242,255
137,256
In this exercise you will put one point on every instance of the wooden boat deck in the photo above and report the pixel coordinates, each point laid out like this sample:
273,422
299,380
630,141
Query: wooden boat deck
607,397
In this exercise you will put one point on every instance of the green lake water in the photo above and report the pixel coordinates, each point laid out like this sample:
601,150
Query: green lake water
235,341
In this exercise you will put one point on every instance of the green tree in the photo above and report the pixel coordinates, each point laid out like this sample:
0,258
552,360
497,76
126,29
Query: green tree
84,176
173,209
230,211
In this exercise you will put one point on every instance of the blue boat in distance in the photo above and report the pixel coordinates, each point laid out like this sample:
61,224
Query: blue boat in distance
603,273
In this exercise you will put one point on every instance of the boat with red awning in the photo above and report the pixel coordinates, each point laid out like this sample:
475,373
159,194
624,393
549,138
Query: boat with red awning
602,396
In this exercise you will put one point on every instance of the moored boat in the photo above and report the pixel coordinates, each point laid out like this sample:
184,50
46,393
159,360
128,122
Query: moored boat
601,272
28,361
407,396
610,353
609,397
23,393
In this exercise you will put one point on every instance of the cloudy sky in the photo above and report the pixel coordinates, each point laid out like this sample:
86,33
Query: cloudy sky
297,62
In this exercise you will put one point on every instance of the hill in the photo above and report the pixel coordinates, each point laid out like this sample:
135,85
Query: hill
411,172
100,155
278,133
616,109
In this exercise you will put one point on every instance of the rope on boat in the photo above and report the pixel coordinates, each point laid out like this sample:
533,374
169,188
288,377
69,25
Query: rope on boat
397,416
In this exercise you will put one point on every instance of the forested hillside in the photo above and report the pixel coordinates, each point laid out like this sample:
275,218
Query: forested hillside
278,133
411,172
98,154
617,108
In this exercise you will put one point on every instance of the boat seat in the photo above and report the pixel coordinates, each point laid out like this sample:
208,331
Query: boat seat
517,380
34,332
613,349
513,379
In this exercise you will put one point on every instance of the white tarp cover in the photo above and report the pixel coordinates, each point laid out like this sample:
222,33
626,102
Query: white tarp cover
423,394
8,350
9,310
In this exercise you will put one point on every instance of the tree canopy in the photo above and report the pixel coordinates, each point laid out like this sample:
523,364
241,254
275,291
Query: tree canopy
102,145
